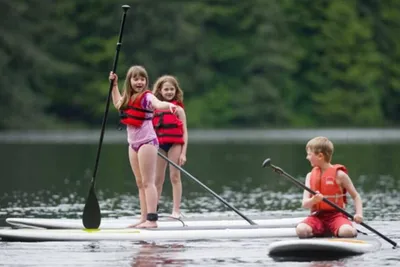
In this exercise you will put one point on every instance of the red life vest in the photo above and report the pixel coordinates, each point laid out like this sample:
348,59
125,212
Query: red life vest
326,184
168,127
134,114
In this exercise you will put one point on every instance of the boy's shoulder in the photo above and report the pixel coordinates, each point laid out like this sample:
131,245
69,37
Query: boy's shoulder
342,176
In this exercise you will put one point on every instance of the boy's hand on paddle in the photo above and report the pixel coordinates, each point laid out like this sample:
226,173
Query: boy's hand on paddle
317,198
358,218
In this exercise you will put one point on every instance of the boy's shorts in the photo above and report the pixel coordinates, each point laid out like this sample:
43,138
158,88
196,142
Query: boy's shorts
326,222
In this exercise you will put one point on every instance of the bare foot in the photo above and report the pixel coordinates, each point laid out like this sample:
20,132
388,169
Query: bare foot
136,224
147,224
176,215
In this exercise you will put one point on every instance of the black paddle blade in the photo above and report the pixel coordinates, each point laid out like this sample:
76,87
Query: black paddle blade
91,213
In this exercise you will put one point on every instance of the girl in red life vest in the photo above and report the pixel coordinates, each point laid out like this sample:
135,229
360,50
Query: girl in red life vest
172,135
136,106
331,182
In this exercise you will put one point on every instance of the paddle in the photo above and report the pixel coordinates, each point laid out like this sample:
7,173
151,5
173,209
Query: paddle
91,213
208,189
267,163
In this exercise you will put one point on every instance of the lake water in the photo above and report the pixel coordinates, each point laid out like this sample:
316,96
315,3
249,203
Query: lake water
52,180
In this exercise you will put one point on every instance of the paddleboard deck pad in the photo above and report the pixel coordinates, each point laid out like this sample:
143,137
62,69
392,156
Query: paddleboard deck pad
163,223
310,249
132,234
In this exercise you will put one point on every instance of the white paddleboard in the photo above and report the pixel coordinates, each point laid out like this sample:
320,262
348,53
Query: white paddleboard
322,248
123,223
172,234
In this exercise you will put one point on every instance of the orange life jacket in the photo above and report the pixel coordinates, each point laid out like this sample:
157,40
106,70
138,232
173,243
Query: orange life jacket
168,127
326,184
134,114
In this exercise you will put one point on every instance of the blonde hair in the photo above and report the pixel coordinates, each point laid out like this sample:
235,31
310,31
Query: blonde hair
159,84
133,72
322,145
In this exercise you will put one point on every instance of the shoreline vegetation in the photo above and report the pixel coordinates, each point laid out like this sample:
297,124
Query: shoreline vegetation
199,136
241,64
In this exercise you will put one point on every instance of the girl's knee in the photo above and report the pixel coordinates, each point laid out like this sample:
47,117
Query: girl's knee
347,231
139,184
159,180
303,230
159,185
175,178
146,184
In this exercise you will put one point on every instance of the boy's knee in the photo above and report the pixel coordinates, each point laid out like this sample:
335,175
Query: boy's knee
347,231
303,230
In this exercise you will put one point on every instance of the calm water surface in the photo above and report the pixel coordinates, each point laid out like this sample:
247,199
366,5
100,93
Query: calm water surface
51,181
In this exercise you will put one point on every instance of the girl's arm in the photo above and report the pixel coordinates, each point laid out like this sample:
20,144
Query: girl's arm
157,104
116,96
182,116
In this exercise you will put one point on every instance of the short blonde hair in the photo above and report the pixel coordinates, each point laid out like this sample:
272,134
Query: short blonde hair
322,145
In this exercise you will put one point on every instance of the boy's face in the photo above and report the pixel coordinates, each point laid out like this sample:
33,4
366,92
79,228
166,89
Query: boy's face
315,159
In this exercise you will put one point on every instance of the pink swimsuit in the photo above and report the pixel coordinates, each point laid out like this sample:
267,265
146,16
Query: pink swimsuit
145,134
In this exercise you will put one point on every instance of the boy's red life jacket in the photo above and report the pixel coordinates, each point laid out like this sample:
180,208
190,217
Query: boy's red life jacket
326,184
134,114
168,127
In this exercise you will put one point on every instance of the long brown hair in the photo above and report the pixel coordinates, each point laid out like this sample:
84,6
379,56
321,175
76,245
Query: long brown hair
133,72
174,81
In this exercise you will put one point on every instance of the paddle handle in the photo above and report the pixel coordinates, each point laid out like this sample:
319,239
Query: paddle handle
300,184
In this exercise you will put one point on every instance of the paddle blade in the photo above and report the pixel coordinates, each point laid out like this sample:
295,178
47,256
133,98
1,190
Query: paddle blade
91,213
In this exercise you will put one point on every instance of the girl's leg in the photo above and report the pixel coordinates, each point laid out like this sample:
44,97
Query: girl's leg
147,156
133,159
175,176
160,174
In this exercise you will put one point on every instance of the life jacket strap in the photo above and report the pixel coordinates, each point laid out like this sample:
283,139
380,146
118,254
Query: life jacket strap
336,197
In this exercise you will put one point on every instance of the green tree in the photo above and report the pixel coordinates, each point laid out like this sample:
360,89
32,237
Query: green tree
340,67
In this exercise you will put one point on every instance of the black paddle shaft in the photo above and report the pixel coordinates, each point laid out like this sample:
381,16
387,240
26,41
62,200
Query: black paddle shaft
208,189
114,69
267,163
91,217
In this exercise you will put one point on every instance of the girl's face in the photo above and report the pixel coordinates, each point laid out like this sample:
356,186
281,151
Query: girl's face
168,91
314,159
138,83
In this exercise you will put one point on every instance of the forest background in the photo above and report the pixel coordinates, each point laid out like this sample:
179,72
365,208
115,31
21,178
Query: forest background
241,64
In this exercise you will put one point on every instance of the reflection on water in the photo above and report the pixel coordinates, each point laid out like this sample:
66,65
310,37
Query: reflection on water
216,253
152,255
